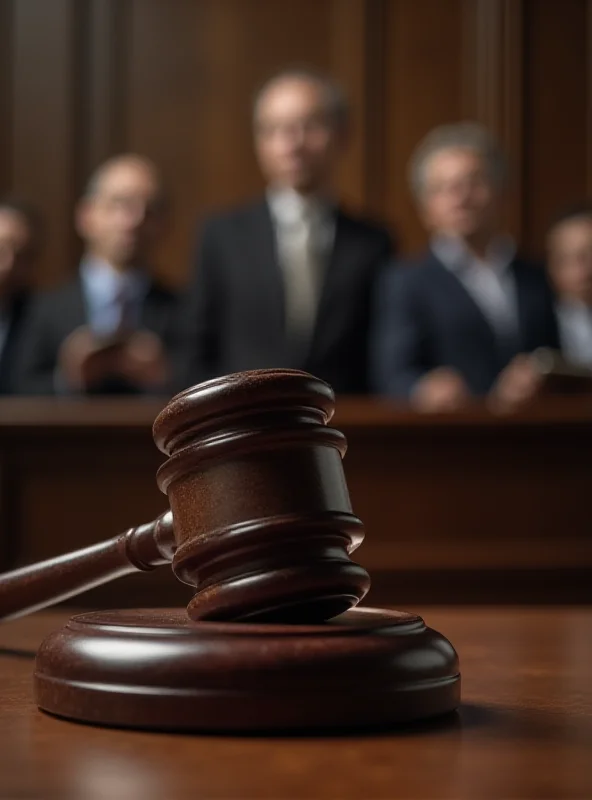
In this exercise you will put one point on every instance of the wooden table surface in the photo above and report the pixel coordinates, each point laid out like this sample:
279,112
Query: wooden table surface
524,731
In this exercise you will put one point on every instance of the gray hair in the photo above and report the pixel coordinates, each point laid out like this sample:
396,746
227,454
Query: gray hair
462,135
334,97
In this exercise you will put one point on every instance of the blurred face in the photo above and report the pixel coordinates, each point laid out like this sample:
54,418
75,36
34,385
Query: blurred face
570,259
122,220
459,198
296,139
16,251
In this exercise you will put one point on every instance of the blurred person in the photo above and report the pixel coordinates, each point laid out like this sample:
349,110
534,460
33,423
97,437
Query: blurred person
459,322
19,243
286,281
569,250
114,328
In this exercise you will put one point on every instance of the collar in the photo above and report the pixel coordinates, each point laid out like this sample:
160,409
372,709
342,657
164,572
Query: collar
288,207
456,256
104,283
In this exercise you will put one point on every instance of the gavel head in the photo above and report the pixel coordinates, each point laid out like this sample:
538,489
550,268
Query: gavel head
262,517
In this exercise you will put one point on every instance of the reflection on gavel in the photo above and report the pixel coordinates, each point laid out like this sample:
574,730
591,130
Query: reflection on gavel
263,526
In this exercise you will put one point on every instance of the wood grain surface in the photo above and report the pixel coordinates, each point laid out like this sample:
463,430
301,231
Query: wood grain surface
523,733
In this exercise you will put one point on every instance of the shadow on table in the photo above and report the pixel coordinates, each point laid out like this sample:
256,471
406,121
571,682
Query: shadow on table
15,652
521,723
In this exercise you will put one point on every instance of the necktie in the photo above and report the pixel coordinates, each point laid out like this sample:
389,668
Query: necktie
125,310
301,278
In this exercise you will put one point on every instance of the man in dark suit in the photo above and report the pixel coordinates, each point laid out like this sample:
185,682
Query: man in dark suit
19,239
114,328
286,281
460,321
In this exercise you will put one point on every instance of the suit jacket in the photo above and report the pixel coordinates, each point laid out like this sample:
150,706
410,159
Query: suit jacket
425,318
239,299
8,354
55,314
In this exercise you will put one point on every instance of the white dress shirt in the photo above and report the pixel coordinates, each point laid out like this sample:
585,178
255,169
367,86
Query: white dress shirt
305,230
575,332
488,281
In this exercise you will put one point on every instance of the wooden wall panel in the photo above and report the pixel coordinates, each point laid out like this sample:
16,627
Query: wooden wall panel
5,93
83,79
423,88
352,37
44,119
163,110
494,85
104,57
555,111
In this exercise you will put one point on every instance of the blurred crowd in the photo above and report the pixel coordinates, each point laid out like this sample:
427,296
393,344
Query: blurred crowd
294,280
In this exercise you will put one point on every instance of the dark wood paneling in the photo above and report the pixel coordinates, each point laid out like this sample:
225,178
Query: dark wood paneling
555,111
83,79
163,82
423,88
6,99
483,60
589,97
104,57
351,38
511,130
493,85
376,108
44,115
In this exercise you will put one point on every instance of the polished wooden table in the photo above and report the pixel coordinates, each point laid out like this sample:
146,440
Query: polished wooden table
524,731
458,508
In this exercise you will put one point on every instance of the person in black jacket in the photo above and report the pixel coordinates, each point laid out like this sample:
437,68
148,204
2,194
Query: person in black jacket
460,321
114,328
19,241
286,281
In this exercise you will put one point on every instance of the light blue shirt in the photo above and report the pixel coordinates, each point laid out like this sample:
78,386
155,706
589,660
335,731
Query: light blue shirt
489,282
113,299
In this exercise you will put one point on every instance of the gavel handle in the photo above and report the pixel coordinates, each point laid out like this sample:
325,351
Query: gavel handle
40,585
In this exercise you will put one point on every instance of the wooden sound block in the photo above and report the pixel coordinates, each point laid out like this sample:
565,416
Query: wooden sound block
155,668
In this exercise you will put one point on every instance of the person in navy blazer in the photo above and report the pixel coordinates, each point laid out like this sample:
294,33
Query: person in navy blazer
460,321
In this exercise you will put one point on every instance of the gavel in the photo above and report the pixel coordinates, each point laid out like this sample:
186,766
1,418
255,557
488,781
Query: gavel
260,524
263,526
